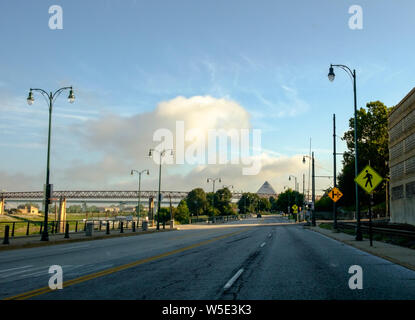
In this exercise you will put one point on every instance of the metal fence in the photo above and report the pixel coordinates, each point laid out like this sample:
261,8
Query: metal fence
29,227
219,219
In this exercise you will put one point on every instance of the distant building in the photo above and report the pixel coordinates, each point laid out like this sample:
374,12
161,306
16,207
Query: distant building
112,210
28,210
402,160
266,189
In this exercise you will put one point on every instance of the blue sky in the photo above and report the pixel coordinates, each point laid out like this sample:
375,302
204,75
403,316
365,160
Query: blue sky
124,58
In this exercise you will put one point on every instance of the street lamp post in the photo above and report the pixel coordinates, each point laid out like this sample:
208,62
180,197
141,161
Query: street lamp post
50,97
213,196
139,188
331,76
162,154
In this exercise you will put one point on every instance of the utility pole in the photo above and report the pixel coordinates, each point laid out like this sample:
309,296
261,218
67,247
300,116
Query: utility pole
334,173
313,191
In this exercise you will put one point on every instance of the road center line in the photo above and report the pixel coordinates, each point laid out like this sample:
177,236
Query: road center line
233,279
40,291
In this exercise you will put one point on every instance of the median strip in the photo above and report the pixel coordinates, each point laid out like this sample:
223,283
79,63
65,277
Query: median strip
68,283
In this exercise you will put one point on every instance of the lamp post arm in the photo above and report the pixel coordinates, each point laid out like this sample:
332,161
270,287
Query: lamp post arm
346,69
58,92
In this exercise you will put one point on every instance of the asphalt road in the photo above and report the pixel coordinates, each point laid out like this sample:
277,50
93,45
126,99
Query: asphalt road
250,259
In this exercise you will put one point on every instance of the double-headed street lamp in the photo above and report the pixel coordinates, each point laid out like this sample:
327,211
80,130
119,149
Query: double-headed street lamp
162,154
50,97
331,76
139,187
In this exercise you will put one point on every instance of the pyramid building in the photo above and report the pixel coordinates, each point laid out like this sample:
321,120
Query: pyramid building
266,189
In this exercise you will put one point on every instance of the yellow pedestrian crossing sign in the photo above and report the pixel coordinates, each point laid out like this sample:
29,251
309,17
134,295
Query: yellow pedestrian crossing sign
335,194
295,208
368,179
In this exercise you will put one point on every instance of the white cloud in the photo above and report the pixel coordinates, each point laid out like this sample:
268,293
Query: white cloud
121,143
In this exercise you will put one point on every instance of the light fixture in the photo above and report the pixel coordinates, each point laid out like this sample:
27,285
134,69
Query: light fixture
71,97
30,98
331,74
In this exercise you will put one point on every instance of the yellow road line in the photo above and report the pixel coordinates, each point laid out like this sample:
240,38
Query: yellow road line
37,292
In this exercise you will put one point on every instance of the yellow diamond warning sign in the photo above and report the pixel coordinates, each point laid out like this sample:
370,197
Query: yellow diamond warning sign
295,208
335,194
368,179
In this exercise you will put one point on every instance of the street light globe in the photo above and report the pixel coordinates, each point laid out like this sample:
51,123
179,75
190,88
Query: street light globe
331,74
30,99
71,97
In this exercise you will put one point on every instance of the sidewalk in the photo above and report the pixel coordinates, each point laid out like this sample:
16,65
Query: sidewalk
34,240
396,254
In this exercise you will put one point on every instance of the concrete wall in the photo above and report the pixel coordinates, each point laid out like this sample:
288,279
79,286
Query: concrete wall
402,160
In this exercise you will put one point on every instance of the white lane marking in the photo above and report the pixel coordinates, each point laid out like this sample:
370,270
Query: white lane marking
263,244
269,236
233,279
11,274
24,267
35,273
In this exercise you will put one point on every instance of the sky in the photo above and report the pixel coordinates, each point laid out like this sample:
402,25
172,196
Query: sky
140,66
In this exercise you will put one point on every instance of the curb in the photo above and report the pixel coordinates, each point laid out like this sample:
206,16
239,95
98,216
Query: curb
5,247
396,261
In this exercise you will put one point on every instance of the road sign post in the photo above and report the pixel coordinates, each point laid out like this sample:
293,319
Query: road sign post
335,194
295,211
368,179
370,220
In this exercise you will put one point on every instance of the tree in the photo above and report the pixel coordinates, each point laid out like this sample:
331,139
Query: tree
288,199
196,201
163,215
181,213
248,203
372,140
273,203
324,204
264,205
222,201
